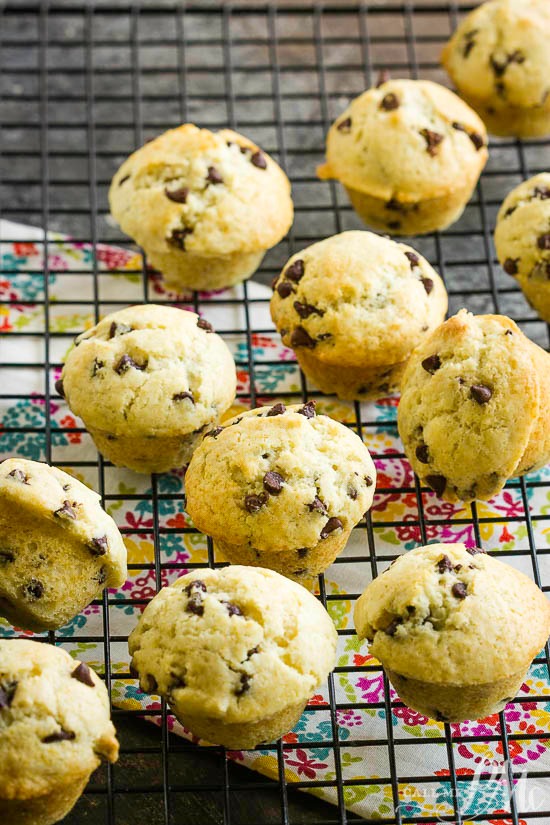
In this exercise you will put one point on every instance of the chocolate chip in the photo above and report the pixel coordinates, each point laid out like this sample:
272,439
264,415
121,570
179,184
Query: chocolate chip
232,609
202,323
124,179
295,271
308,410
277,409
481,393
437,483
33,590
428,284
369,481
195,585
444,564
301,338
498,66
181,396
273,483
391,629
331,525
459,590
253,651
457,568
255,503
510,211
317,505
422,454
195,604
6,556
300,572
510,266
99,546
305,310
150,683
244,685
433,140
177,195
59,387
383,77
258,159
414,260
213,433
126,363
394,224
96,366
324,336
475,551
345,126
82,674
119,329
477,140
302,552
432,363
395,206
284,289
213,175
178,236
101,577
543,241
274,282
60,736
19,475
389,102
508,332
7,692
67,511
541,192
468,46
352,493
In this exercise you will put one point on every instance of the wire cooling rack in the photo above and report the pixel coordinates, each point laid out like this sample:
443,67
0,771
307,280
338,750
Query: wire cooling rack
81,85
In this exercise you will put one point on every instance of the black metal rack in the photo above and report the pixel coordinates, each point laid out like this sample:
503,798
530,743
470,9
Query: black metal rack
81,85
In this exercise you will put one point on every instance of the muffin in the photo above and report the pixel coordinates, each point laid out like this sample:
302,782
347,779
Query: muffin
236,653
499,61
353,307
147,382
475,407
59,548
454,629
55,729
409,154
280,488
522,240
204,206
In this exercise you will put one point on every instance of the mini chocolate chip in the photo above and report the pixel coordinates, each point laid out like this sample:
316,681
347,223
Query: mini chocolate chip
437,483
543,241
66,511
433,140
99,546
34,589
345,126
422,454
475,551
541,192
428,284
510,266
468,46
82,674
498,66
273,483
302,552
7,692
119,329
177,195
258,159
459,590
126,363
383,77
196,584
60,736
432,363
213,175
213,433
481,393
244,685
395,206
277,409
324,336
317,505
300,572
255,503
19,475
59,387
101,577
195,604
301,338
232,609
394,224
253,651
352,493
202,323
305,310
308,409
181,396
477,140
6,556
457,568
178,236
508,332
124,179
510,211
391,629
331,525
284,289
414,260
295,271
389,102
444,564
369,481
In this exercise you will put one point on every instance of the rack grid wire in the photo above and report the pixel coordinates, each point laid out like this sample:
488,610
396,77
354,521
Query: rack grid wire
82,85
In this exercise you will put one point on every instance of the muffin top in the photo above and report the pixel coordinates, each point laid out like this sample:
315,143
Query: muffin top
149,370
237,644
406,140
469,402
522,233
452,615
500,52
54,719
210,193
47,493
357,298
279,478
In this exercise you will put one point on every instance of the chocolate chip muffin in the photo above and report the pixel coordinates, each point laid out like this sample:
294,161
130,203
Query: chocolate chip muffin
204,206
58,548
522,240
147,382
236,652
353,307
475,407
55,729
498,59
280,487
409,154
454,629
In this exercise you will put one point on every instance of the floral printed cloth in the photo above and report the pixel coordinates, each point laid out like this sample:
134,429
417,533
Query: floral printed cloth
367,726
